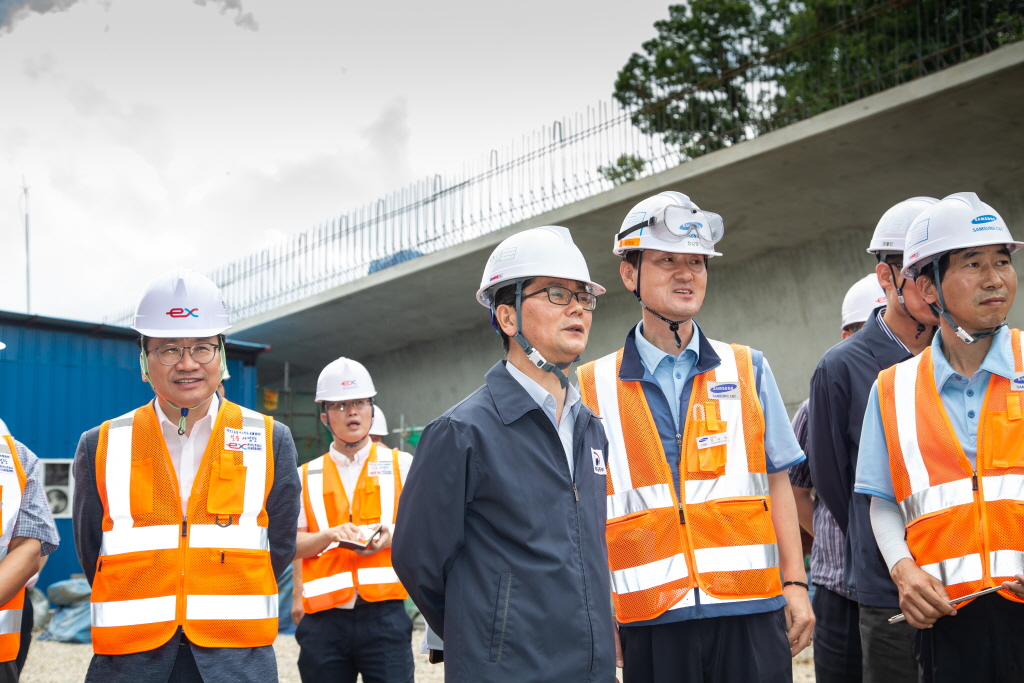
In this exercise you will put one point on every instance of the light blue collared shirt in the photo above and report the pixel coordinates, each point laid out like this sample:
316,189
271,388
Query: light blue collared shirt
672,374
546,401
962,397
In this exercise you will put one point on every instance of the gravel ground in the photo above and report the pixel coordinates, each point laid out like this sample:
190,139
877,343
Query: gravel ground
50,662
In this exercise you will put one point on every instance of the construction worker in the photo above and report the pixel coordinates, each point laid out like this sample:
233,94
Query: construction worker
942,452
355,621
837,654
701,517
838,396
500,537
27,536
379,428
185,509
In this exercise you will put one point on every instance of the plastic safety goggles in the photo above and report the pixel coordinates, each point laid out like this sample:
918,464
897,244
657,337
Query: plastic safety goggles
676,223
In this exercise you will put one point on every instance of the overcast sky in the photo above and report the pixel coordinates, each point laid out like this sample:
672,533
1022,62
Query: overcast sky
163,133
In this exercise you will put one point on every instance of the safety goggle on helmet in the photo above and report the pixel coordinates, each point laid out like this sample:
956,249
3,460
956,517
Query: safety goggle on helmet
674,224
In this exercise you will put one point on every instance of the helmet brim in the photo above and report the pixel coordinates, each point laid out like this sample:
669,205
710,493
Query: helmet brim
484,299
180,334
911,269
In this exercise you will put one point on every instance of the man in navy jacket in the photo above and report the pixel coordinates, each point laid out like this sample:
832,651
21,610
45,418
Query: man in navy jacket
500,536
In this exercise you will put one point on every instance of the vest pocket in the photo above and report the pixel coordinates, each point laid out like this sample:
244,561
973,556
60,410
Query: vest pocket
1003,445
227,487
500,625
369,503
141,487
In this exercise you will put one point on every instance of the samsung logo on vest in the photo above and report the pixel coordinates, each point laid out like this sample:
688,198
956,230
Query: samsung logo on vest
723,388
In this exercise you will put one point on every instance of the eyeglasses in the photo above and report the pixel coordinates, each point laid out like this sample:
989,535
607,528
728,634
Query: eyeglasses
171,354
342,406
560,296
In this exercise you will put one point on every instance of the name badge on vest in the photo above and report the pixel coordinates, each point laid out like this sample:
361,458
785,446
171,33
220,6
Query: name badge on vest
378,469
598,456
1017,383
712,440
6,463
724,390
242,439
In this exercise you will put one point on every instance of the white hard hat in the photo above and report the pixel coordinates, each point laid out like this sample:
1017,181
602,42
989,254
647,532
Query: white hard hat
891,231
343,380
547,251
2,346
865,296
650,225
181,303
380,423
959,221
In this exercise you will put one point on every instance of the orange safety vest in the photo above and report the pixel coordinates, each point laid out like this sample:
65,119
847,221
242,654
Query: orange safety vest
208,571
964,526
719,535
333,577
12,487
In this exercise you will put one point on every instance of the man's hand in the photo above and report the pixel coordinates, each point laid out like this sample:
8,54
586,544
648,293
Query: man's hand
383,541
1016,586
618,648
923,598
297,610
347,533
799,618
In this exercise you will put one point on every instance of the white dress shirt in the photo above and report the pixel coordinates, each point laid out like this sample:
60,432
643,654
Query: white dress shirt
187,450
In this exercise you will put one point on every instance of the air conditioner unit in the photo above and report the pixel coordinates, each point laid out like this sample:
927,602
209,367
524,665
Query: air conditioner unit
58,484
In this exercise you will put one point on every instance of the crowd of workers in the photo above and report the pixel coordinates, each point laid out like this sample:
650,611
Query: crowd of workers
645,518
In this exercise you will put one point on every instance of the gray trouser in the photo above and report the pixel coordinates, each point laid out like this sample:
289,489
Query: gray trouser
888,649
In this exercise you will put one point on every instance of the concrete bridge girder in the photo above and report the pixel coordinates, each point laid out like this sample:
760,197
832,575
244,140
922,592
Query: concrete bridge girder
799,205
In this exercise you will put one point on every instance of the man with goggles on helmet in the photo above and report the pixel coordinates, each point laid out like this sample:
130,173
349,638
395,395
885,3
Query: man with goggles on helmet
701,516
500,535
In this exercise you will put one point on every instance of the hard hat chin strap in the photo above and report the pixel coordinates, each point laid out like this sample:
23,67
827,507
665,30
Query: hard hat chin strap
673,325
899,295
556,369
940,309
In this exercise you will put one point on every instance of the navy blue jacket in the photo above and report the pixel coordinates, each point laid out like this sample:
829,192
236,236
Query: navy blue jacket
839,395
503,554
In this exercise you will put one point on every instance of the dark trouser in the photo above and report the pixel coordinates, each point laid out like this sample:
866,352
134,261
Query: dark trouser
373,639
888,649
983,642
185,669
27,621
837,655
752,647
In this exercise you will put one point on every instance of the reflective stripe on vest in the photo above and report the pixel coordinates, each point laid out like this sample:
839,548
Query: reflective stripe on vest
12,487
204,571
727,536
332,578
965,526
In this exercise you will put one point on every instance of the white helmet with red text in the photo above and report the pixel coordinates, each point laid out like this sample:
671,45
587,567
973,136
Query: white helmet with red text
344,379
181,303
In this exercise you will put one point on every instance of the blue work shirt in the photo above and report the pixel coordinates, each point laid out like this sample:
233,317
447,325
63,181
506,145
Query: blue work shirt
667,382
544,399
962,397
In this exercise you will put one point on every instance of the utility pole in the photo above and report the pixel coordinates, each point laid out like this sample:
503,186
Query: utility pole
28,263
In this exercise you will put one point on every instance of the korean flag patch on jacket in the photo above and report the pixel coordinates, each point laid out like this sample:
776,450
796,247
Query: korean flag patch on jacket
598,457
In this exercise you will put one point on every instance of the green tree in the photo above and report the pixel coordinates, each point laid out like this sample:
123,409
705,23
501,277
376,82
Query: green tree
696,84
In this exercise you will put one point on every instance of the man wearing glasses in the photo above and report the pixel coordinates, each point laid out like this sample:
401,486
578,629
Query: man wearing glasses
347,601
701,518
500,537
185,509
